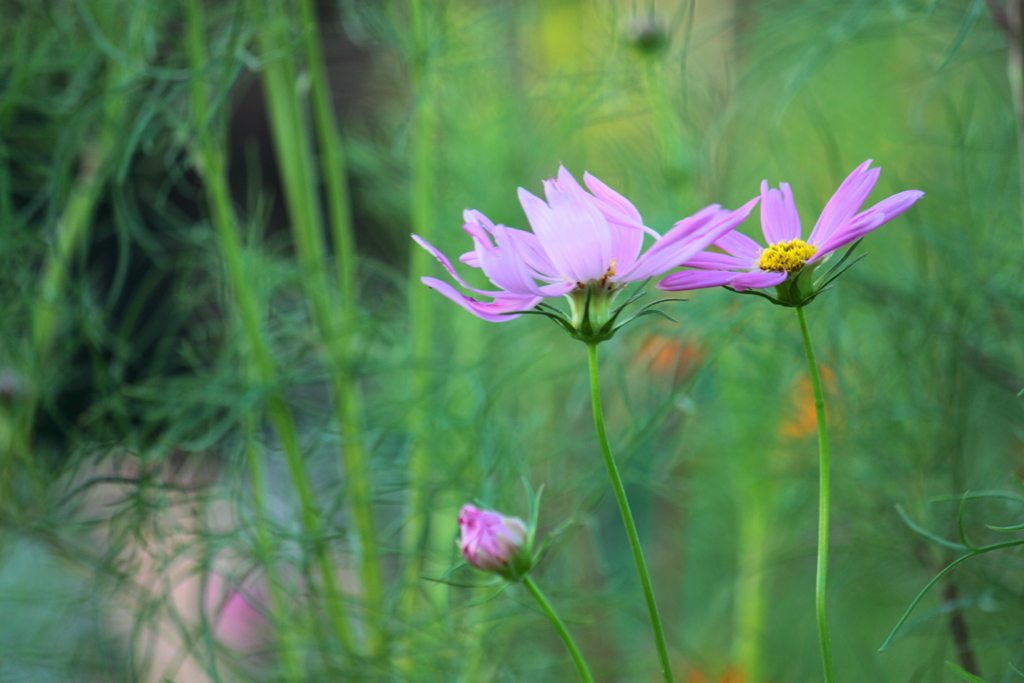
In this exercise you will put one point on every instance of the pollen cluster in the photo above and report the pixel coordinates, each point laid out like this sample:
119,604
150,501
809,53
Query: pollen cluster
607,274
785,256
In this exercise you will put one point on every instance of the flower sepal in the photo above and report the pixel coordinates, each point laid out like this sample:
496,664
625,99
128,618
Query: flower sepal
800,288
592,319
518,567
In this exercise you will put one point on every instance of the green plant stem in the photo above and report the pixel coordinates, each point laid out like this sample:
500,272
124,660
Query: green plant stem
264,550
666,127
336,328
93,170
563,632
421,320
332,155
749,603
821,573
627,517
72,229
1015,76
212,166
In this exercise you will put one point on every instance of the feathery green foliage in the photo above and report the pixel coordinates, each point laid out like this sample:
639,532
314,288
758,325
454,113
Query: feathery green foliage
235,431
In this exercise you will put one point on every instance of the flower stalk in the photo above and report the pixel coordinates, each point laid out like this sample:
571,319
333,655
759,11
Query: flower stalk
627,517
563,632
502,545
821,572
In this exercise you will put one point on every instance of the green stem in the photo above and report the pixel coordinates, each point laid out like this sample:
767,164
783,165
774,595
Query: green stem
421,320
93,170
663,116
752,538
264,548
1015,75
821,573
210,160
292,140
556,621
72,230
332,155
284,425
212,166
627,517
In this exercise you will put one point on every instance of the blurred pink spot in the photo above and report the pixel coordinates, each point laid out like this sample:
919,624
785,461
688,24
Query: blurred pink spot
237,619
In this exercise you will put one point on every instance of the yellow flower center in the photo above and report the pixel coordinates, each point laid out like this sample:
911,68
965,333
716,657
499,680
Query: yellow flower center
785,256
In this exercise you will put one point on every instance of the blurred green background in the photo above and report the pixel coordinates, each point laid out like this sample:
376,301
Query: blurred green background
236,431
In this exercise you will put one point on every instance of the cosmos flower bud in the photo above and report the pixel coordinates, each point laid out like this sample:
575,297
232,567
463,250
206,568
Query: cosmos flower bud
647,34
495,543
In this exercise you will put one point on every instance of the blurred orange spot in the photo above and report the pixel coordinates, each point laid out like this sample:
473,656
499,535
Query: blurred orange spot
1018,448
803,420
670,356
730,675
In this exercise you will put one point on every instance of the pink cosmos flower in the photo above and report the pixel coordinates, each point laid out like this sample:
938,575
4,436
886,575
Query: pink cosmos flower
492,542
580,240
748,265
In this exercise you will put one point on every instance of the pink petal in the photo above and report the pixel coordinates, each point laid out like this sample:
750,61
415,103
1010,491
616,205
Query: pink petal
697,222
695,279
480,233
558,242
582,224
616,208
868,220
492,311
556,289
477,218
895,205
505,267
708,260
478,225
509,264
530,250
624,222
779,219
661,256
845,202
448,266
851,232
672,250
759,279
738,244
